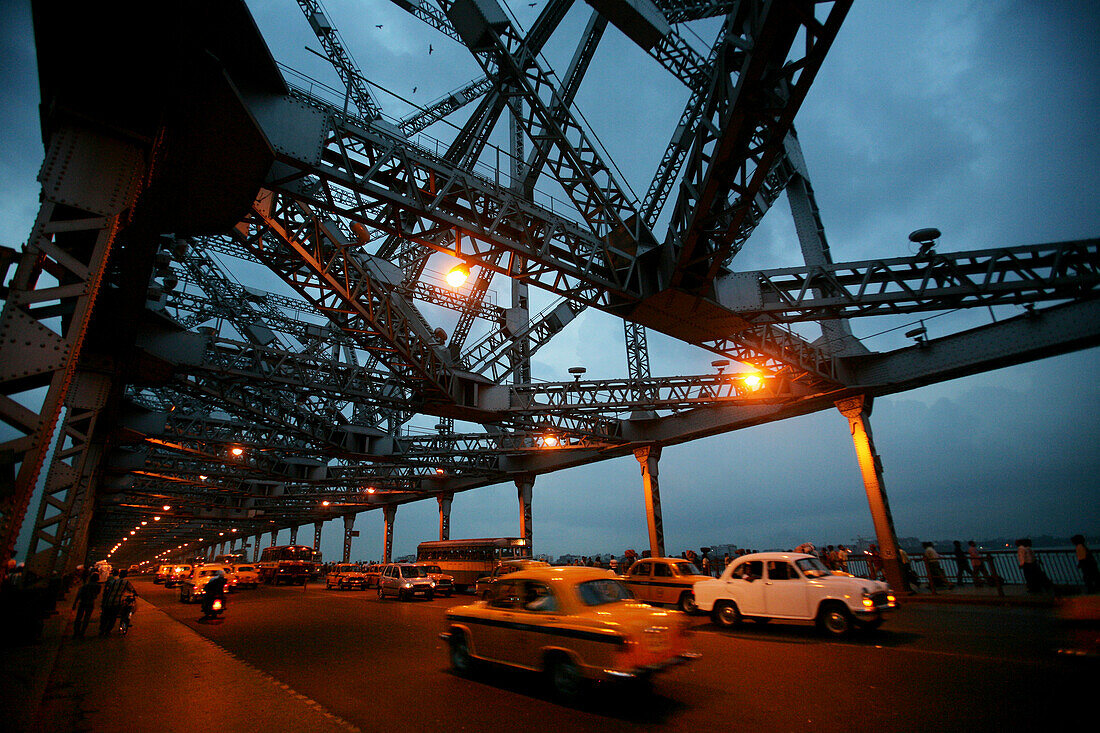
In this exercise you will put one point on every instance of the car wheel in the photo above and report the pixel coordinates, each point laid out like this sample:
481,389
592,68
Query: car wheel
834,620
566,679
726,614
461,660
687,603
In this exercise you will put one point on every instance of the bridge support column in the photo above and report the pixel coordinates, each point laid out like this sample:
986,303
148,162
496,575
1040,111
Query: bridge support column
390,513
257,541
293,535
274,535
445,515
349,533
317,535
648,457
524,489
858,411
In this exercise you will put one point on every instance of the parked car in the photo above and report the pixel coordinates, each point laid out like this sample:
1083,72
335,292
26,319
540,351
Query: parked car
665,580
576,624
346,575
193,587
444,584
162,573
793,586
505,567
247,576
405,580
373,573
179,572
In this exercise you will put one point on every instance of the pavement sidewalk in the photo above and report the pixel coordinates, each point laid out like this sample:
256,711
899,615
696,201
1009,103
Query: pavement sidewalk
162,676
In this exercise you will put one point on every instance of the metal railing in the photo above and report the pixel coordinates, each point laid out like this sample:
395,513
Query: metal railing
1060,566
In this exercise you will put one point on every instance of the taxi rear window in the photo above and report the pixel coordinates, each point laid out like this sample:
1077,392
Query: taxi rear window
601,591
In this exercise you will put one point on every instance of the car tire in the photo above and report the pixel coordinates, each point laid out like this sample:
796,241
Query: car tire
687,603
461,660
726,614
566,679
833,619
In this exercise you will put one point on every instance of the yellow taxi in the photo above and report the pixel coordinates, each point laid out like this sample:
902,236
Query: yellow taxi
576,624
665,580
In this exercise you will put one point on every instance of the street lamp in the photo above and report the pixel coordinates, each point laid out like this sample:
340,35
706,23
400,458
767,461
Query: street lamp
753,381
458,275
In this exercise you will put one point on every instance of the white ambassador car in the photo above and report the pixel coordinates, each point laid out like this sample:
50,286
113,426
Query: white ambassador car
793,586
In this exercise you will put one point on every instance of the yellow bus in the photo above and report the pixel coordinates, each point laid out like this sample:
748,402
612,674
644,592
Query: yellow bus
468,560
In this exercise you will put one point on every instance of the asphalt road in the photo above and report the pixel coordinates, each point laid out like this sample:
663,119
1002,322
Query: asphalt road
381,666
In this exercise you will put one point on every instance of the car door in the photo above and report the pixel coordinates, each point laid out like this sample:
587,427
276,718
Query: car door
539,619
665,589
502,637
639,581
785,591
746,587
386,581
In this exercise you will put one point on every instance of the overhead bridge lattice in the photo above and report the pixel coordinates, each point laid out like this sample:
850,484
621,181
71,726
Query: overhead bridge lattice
232,299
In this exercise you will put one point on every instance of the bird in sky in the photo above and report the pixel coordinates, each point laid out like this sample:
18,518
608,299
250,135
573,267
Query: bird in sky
378,26
414,89
429,49
531,5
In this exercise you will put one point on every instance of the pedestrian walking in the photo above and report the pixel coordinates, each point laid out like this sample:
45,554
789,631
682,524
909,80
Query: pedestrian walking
829,558
84,603
842,558
874,562
962,564
1036,580
977,564
1086,563
111,605
936,577
908,577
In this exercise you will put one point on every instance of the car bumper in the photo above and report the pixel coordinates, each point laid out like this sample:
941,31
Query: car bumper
648,669
870,614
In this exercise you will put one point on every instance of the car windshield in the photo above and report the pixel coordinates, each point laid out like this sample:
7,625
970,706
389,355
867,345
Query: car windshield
433,569
811,567
345,568
244,569
413,571
686,568
204,573
601,591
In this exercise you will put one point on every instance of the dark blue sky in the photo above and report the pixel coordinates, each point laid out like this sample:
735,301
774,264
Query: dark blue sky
977,118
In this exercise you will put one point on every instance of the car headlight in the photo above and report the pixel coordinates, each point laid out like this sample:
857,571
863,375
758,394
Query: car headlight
408,584
431,583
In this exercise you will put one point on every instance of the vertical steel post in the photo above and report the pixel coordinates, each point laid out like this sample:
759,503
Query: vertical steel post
858,411
349,528
524,489
445,515
648,457
274,534
256,547
390,513
317,535
294,535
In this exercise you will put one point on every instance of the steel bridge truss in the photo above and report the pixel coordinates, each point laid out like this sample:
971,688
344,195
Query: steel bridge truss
248,411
